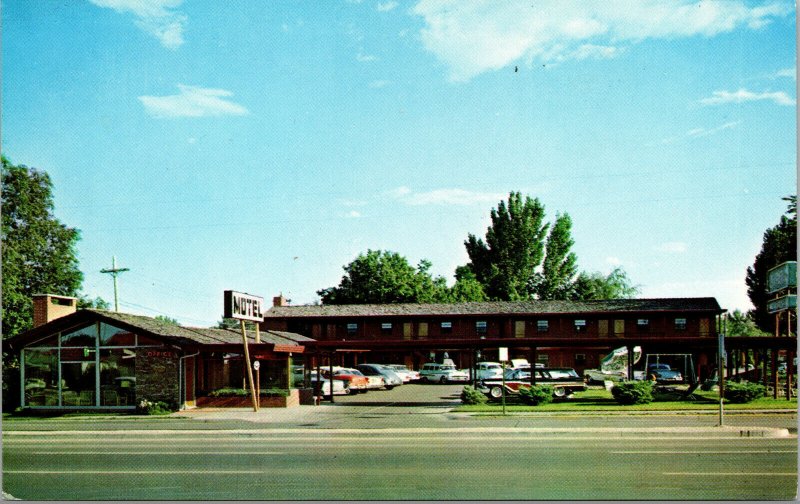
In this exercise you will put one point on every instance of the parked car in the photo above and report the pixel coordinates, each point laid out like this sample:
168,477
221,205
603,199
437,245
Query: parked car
373,382
488,370
565,382
664,373
406,374
390,378
353,382
339,387
441,373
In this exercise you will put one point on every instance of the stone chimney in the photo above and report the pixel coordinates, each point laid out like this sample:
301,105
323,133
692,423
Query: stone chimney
47,307
280,301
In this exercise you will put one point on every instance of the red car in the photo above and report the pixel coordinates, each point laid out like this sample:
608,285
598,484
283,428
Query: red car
353,380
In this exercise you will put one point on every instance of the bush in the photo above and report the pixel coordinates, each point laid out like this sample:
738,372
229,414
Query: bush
146,407
472,396
240,392
743,392
536,394
633,392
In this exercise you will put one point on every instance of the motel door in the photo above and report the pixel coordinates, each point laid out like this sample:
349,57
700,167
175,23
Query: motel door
189,379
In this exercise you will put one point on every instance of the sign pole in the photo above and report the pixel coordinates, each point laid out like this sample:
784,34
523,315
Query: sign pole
249,369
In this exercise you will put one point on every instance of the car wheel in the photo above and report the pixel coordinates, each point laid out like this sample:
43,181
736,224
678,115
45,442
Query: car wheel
443,380
496,392
389,387
560,392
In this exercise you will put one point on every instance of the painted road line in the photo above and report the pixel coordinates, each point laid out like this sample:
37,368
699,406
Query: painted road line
729,474
700,452
160,471
182,452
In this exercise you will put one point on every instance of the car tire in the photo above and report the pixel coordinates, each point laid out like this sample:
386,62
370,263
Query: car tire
560,392
389,387
496,392
443,380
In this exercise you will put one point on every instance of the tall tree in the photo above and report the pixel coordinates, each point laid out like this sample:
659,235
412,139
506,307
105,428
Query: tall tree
559,267
779,245
385,277
515,245
39,252
615,285
739,323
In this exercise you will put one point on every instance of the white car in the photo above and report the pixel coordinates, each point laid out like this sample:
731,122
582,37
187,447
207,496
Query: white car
406,374
325,384
441,373
488,370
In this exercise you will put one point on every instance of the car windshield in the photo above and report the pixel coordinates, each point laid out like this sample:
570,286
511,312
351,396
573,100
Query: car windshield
448,368
563,373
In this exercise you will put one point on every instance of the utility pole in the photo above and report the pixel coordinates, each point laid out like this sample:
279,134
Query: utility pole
114,271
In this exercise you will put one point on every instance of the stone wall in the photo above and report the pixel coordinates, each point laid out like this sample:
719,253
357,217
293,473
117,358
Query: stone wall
157,375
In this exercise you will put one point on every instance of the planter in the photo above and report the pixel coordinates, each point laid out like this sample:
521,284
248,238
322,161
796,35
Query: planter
293,399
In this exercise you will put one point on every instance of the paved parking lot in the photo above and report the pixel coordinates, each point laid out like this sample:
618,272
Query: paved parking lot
409,394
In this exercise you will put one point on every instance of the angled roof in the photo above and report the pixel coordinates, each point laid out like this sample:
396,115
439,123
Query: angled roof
165,331
708,304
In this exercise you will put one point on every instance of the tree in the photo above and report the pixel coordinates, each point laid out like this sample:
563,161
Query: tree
168,320
510,264
742,324
559,267
779,245
615,285
39,252
385,277
467,287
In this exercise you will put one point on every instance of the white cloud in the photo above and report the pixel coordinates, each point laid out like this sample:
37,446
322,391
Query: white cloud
743,95
787,72
703,132
673,247
192,102
475,37
444,197
156,17
387,6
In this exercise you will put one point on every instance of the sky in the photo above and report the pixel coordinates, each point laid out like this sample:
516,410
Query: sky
261,146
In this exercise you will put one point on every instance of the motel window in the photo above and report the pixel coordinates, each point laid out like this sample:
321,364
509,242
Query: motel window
480,327
542,326
680,324
447,327
85,337
643,324
352,328
580,325
580,358
543,359
386,328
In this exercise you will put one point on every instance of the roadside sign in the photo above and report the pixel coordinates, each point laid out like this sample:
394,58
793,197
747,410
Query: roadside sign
502,354
257,365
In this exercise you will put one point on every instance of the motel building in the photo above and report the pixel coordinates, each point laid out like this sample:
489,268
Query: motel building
95,359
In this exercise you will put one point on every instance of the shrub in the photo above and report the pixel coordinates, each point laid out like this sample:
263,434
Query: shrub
472,396
536,394
241,392
743,392
146,407
633,392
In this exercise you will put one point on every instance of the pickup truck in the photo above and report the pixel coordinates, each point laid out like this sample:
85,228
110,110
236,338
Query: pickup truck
565,382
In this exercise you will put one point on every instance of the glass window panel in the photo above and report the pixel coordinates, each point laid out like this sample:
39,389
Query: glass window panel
78,354
41,377
84,337
78,384
114,336
117,377
52,341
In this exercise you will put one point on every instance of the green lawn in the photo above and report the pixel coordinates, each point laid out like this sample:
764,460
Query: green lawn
599,400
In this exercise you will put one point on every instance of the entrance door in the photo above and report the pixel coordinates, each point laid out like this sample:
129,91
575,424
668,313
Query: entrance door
189,380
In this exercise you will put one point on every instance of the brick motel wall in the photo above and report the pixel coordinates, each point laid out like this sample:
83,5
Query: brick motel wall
157,375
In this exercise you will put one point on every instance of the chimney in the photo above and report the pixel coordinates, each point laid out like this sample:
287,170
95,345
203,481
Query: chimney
280,301
47,307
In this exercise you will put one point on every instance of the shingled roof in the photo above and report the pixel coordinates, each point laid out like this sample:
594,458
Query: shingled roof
160,329
708,304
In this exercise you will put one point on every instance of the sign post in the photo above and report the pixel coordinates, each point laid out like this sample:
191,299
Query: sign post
721,372
503,357
245,307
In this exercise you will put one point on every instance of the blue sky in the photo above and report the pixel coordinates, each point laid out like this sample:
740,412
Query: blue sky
261,146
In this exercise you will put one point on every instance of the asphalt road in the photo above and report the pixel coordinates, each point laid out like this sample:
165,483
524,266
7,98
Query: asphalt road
394,445
392,464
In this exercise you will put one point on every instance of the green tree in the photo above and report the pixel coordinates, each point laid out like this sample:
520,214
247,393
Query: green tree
467,287
39,252
615,285
779,245
385,277
739,323
515,244
559,267
168,320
